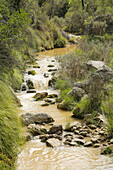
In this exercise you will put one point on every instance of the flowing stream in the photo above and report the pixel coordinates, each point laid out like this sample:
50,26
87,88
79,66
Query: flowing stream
34,154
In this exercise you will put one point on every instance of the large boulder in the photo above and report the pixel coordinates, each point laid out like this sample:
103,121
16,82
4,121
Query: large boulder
38,118
53,142
77,93
56,129
36,130
40,96
95,64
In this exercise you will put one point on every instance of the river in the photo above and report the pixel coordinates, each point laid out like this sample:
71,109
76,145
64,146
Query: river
34,154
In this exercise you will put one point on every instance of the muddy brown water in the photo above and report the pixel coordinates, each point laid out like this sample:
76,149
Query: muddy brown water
34,154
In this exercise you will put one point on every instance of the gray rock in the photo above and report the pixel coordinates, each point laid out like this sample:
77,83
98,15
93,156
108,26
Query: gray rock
83,133
95,64
94,140
31,91
111,141
77,93
88,144
79,141
40,96
38,118
55,129
30,84
92,126
45,104
36,130
96,145
53,142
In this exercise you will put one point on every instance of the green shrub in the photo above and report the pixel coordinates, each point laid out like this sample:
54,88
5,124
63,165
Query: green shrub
60,42
82,108
99,28
107,109
67,104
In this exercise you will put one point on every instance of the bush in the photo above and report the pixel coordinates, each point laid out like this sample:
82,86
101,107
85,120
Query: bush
67,104
82,108
60,42
99,28
107,109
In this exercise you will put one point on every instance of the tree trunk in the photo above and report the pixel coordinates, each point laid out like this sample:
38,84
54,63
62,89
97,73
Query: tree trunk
83,4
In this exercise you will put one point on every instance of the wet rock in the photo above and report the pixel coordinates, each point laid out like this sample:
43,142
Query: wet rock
79,141
50,65
50,70
38,118
45,104
101,133
88,144
91,126
30,84
36,66
53,102
83,134
46,75
96,145
27,136
111,141
52,96
68,135
44,138
56,129
48,100
69,139
36,130
70,143
94,140
53,61
53,142
40,96
80,137
24,87
32,72
52,81
76,132
31,91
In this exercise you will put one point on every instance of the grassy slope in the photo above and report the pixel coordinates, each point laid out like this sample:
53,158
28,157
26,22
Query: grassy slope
9,128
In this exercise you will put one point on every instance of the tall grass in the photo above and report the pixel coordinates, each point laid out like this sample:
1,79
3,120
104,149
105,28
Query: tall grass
9,128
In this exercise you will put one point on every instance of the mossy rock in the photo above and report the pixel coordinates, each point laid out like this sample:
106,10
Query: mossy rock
30,84
36,66
32,72
52,96
50,65
40,96
106,151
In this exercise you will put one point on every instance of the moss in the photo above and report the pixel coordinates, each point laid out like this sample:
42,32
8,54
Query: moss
32,72
107,150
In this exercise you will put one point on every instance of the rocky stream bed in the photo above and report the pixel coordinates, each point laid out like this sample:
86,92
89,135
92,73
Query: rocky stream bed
55,139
